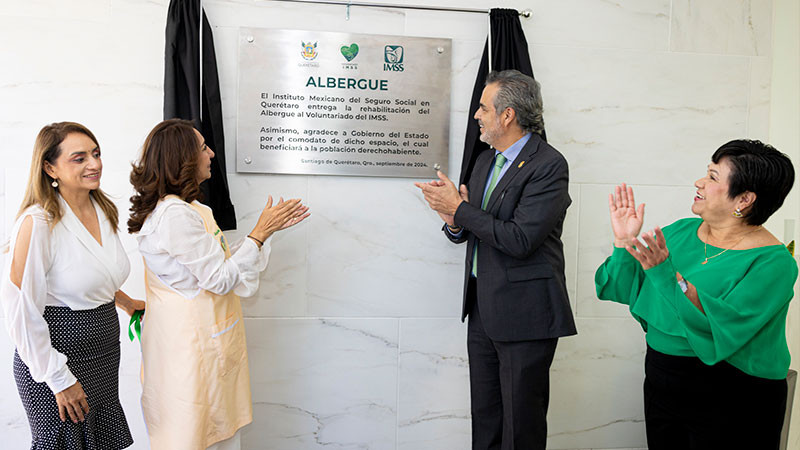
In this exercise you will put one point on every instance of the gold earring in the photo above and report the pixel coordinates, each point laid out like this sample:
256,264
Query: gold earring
737,213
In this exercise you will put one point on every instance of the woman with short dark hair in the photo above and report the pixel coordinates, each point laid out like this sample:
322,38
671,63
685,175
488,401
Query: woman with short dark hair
712,295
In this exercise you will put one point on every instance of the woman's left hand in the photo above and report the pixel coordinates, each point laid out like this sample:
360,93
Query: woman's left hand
298,216
652,254
128,304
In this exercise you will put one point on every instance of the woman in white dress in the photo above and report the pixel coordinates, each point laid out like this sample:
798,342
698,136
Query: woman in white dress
196,383
60,283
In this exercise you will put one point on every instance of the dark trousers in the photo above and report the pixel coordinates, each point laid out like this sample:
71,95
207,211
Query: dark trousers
509,387
689,405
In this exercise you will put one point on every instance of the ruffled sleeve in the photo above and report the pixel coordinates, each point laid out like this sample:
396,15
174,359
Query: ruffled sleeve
619,278
734,318
23,306
251,262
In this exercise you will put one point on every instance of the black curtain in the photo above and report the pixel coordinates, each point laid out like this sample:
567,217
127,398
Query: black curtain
182,97
509,51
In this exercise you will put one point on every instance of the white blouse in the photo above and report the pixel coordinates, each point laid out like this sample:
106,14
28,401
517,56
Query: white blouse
66,266
177,248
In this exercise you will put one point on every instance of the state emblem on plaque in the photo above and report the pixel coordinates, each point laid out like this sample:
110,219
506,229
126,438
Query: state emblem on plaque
309,50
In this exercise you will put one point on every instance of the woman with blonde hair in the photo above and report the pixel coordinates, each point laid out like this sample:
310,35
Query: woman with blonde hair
196,384
60,283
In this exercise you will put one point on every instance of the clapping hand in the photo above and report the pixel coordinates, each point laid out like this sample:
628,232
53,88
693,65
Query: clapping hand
626,218
653,253
281,216
443,197
298,216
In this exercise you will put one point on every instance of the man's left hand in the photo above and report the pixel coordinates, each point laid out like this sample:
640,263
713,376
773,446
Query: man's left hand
442,195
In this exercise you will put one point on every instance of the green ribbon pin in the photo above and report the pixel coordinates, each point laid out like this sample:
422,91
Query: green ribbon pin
136,323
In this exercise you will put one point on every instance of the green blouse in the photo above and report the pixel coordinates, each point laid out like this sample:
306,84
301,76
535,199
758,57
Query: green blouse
745,295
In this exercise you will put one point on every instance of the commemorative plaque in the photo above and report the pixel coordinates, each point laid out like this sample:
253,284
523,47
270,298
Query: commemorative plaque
324,103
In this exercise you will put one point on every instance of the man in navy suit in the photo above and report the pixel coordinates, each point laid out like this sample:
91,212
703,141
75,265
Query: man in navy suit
515,294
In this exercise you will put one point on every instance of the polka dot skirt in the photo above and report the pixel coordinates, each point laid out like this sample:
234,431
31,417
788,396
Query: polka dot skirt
90,340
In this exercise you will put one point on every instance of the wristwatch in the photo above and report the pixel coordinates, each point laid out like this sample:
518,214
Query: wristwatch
684,286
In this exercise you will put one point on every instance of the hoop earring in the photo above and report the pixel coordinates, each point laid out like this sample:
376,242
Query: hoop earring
737,213
54,184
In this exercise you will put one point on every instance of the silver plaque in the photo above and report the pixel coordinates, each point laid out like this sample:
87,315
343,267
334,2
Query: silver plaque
323,103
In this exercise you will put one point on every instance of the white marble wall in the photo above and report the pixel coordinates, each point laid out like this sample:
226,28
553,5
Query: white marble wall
354,337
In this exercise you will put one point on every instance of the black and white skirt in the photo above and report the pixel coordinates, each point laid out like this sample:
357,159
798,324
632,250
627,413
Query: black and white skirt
90,340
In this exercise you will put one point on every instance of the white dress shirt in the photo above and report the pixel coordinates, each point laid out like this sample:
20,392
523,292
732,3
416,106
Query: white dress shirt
177,248
66,266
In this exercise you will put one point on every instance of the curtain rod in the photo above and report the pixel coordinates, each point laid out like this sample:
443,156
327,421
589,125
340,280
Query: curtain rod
526,13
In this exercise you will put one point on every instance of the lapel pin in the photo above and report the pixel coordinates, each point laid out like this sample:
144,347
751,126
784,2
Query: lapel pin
520,165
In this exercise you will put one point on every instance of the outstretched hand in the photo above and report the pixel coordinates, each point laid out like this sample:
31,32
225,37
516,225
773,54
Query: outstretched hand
279,217
626,218
298,216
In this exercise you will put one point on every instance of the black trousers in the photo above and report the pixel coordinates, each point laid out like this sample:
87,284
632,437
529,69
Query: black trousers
689,405
509,387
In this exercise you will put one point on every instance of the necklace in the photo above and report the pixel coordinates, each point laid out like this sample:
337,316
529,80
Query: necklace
708,235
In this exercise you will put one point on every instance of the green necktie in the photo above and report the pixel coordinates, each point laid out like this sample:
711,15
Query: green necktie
499,162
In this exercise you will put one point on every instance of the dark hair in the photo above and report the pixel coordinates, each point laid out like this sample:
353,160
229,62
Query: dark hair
520,93
168,166
760,169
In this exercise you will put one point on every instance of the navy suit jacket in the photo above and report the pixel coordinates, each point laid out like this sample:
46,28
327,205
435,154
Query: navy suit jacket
521,288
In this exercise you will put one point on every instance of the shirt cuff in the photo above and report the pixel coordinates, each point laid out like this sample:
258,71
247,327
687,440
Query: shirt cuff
251,261
263,254
621,254
455,235
664,279
61,380
249,257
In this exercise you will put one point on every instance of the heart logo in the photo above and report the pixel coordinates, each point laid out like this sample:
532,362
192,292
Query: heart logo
349,53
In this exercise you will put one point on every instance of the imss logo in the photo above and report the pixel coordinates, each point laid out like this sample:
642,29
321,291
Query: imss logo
393,58
349,53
